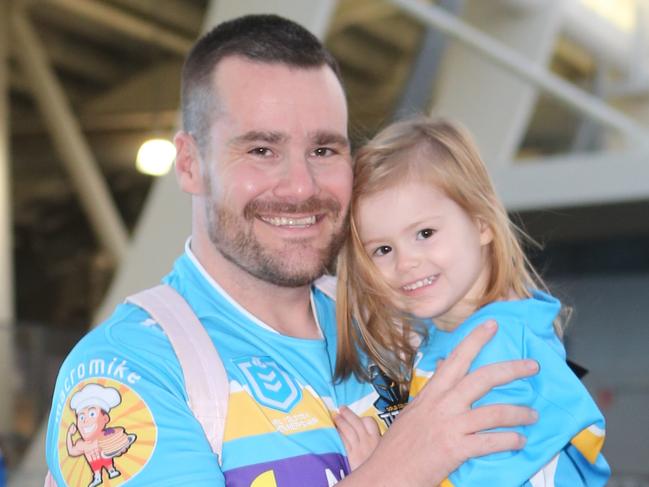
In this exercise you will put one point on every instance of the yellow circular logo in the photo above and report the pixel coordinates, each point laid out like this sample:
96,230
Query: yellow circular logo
106,434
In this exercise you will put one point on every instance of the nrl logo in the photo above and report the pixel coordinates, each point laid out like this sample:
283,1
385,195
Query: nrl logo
269,383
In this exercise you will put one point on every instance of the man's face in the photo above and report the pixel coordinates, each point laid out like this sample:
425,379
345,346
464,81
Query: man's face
277,169
91,421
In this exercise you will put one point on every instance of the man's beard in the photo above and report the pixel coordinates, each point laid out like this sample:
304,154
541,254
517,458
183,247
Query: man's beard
234,238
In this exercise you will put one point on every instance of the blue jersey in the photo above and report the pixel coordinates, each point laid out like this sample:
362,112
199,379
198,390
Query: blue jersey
564,447
120,412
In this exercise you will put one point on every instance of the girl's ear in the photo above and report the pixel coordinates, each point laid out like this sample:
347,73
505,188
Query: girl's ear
188,164
486,233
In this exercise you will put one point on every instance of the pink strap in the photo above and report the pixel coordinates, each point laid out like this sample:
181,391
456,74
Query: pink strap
49,480
327,284
206,381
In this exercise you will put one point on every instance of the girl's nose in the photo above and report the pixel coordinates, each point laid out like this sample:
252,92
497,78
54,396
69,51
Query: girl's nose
407,261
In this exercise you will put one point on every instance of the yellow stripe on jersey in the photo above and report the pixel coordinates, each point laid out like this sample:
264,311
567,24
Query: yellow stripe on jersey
417,384
589,442
446,483
246,417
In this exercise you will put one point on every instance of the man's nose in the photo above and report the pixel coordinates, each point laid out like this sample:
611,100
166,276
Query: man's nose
297,180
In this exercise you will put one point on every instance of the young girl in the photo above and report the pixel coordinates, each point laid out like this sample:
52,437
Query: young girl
431,255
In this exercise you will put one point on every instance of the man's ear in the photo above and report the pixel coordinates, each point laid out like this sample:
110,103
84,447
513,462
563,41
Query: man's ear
486,233
188,164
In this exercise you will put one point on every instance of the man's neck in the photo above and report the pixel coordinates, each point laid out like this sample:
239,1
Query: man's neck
285,309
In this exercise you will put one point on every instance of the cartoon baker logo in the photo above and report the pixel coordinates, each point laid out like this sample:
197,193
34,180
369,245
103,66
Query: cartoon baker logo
106,435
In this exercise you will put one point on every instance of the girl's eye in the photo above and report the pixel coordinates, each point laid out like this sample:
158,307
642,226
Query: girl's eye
92,414
425,233
382,250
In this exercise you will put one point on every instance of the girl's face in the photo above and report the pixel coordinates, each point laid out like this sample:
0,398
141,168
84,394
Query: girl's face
427,248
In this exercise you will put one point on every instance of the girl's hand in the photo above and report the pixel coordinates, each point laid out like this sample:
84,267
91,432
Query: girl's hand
360,435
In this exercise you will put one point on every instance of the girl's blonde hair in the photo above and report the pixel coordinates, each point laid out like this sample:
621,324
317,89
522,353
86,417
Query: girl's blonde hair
441,153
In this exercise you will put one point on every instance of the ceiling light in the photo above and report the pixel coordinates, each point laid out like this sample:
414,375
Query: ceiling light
155,157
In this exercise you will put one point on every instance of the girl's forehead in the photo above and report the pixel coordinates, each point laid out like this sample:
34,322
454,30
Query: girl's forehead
414,164
396,182
412,194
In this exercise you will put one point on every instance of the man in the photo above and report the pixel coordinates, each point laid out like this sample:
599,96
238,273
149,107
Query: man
265,155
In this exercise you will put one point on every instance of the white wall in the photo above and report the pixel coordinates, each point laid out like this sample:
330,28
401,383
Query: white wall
609,335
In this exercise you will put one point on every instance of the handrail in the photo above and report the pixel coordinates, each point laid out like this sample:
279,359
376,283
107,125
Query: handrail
510,60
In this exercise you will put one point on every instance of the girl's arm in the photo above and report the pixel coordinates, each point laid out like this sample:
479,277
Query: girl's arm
439,431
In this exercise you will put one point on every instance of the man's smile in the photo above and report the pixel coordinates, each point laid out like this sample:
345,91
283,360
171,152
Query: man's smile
292,221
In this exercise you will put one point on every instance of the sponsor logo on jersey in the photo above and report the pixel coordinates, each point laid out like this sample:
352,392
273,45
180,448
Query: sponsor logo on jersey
269,383
106,434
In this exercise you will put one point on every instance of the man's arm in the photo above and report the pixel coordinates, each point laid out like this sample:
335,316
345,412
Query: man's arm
136,359
438,430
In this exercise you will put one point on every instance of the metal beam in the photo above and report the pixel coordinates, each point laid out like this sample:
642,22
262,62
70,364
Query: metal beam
154,88
18,83
416,94
125,23
105,122
539,76
70,143
6,235
78,58
573,180
181,14
614,48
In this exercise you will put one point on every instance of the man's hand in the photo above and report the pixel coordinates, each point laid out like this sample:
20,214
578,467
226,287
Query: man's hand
438,431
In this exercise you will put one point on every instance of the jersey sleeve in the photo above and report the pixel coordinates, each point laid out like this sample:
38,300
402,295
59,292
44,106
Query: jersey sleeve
563,447
120,412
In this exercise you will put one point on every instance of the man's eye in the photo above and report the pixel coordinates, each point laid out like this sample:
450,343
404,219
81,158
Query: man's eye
382,250
261,151
323,152
425,233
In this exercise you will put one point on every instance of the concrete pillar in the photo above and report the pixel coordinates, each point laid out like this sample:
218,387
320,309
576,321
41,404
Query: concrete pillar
6,240
494,105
